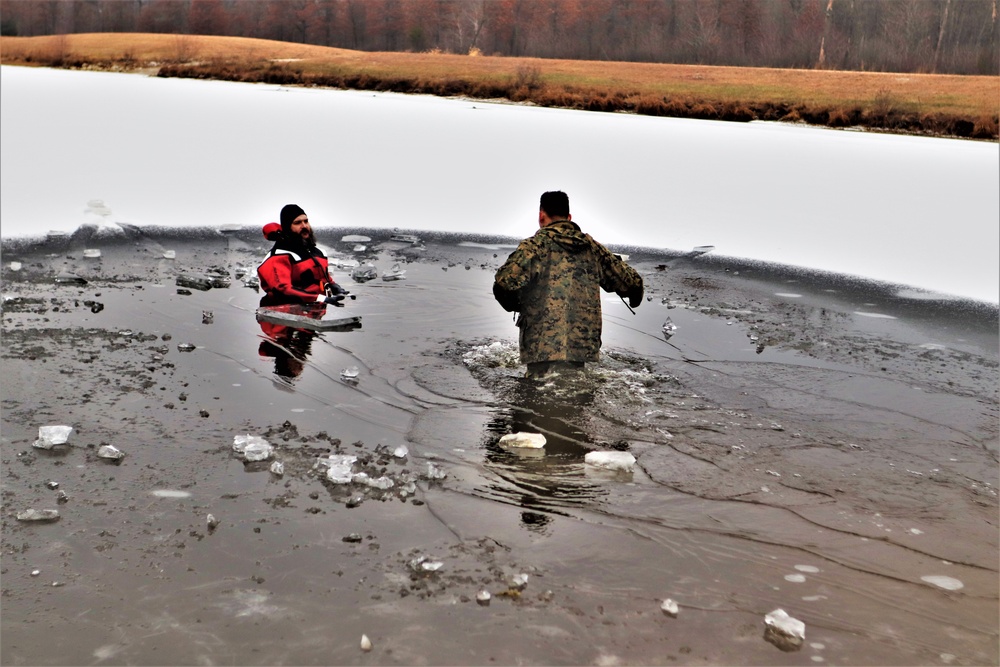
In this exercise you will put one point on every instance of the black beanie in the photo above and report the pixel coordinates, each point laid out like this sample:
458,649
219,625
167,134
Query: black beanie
289,213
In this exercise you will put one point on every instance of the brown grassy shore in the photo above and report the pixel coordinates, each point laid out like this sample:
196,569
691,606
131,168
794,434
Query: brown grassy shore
939,105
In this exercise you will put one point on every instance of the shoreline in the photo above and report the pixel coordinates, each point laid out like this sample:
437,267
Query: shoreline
882,102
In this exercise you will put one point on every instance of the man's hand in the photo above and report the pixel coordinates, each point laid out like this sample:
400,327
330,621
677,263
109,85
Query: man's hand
635,298
336,289
330,300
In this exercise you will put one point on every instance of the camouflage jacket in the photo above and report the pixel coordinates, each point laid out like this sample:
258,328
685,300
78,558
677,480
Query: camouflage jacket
554,280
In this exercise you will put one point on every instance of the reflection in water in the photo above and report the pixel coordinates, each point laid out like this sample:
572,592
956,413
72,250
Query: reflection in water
543,480
289,347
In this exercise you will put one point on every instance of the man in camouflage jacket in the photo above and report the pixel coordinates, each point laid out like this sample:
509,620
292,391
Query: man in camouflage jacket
553,280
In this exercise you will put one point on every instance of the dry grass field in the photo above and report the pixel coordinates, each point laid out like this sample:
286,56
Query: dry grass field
949,105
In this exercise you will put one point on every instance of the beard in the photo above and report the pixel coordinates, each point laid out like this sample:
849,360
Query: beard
305,241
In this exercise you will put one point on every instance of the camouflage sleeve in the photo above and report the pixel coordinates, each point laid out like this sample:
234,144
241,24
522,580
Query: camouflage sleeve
513,277
619,277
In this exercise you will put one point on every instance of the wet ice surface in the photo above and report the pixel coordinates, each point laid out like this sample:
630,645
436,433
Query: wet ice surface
788,455
899,219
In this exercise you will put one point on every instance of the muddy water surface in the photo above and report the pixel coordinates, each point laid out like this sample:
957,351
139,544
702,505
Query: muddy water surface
814,445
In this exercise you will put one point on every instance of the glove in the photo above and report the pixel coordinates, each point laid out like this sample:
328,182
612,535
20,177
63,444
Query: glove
336,289
330,300
635,298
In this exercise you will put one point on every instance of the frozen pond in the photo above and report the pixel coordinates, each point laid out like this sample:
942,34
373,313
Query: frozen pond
915,211
802,450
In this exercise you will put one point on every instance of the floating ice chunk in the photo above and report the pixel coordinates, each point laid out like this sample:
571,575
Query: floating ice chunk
383,483
277,468
91,253
621,461
670,608
795,578
364,273
875,315
400,452
50,436
431,565
669,328
338,467
941,581
355,238
366,644
395,273
241,442
807,568
66,278
111,453
198,282
360,247
211,522
15,266
350,373
788,295
169,254
521,439
519,581
434,472
483,597
783,631
252,447
38,515
185,347
170,493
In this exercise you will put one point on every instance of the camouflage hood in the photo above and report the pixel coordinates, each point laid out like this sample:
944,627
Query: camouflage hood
567,234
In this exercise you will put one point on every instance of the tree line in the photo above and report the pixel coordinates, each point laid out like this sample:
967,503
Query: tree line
930,36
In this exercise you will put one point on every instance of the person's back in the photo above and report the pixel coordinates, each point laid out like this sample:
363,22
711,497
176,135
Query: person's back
553,280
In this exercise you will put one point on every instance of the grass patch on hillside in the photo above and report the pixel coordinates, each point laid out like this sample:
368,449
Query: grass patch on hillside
949,105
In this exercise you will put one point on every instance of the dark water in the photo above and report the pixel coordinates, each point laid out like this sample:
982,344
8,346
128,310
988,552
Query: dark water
790,454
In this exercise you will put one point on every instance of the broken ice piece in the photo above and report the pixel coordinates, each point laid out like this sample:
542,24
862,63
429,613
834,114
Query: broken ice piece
49,436
91,253
38,515
395,273
169,254
669,328
197,282
261,451
185,347
434,472
241,442
278,468
783,631
350,373
522,439
483,597
364,273
519,581
400,452
110,452
670,608
65,278
366,644
612,460
211,522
